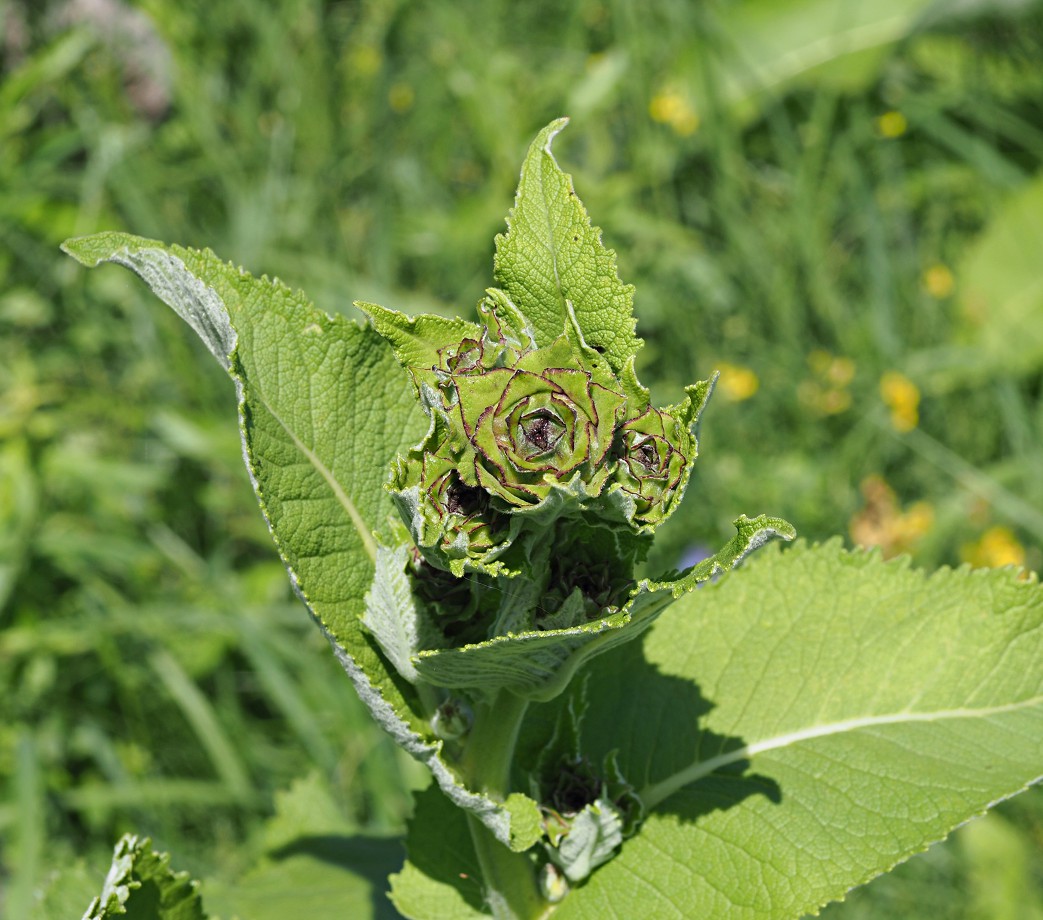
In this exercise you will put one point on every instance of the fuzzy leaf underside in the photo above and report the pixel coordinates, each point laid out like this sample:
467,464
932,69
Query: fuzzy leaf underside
140,883
808,722
551,256
323,407
315,440
391,615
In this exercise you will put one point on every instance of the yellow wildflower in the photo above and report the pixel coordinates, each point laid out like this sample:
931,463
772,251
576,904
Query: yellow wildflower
996,547
736,383
819,361
883,523
841,371
892,124
669,107
828,395
903,399
938,281
365,60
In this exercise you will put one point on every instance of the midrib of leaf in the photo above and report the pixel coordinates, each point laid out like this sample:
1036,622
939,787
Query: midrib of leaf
551,248
368,543
655,793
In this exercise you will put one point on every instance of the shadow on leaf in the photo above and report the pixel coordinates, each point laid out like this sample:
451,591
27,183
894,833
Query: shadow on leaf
442,866
652,721
317,867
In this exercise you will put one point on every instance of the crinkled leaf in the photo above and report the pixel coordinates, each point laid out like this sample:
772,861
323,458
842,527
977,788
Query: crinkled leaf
551,256
324,406
808,722
418,340
539,663
391,610
142,886
315,439
594,834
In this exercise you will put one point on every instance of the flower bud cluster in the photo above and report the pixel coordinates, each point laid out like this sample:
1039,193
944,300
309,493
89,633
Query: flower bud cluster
524,433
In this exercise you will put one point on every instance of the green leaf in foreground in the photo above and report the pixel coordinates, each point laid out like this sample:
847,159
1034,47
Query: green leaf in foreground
323,407
805,724
142,886
317,436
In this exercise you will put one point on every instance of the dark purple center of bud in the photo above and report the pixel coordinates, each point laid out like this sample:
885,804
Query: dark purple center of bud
542,429
646,454
576,786
462,499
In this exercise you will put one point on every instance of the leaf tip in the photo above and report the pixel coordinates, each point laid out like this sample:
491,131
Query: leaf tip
95,248
552,131
79,248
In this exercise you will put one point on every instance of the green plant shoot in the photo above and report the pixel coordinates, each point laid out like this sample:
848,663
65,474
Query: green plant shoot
464,504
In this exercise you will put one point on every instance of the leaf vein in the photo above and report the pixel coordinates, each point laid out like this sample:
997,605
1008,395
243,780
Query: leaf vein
365,537
656,793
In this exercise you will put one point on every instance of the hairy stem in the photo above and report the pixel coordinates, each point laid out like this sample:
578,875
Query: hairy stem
509,878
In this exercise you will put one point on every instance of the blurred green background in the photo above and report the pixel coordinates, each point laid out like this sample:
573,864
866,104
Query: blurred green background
836,203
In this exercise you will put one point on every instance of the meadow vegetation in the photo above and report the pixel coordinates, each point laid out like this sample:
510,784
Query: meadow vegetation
844,199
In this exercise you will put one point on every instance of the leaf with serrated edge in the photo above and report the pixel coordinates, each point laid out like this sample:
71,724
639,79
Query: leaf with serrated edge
317,443
539,663
807,723
141,881
417,340
551,257
593,837
391,610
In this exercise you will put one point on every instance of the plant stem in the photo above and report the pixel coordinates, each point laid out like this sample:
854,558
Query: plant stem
491,741
509,879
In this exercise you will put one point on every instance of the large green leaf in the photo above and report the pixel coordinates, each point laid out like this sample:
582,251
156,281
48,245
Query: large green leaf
771,43
807,723
761,48
316,439
324,407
